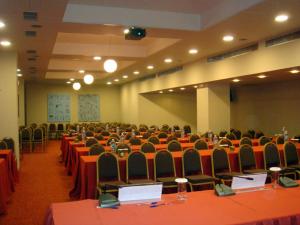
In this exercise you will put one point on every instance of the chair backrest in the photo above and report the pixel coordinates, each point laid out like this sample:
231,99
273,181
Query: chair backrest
191,162
96,149
26,134
162,135
124,146
38,134
258,134
271,155
187,129
3,145
146,135
264,140
252,133
10,143
109,140
137,166
107,167
171,138
148,147
89,133
174,146
237,134
291,156
222,133
91,141
105,133
60,127
279,139
117,137
164,164
219,161
245,141
99,137
201,145
225,141
154,140
231,136
246,158
135,141
246,134
194,138
52,127
176,127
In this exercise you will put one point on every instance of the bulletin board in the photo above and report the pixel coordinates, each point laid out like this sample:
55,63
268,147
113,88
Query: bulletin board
59,108
88,108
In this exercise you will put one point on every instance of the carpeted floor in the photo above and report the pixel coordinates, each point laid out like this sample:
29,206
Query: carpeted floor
43,180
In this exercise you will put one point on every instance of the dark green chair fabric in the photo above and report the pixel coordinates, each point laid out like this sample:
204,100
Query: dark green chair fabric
201,145
135,141
148,147
171,138
264,140
225,141
222,133
271,156
3,145
194,138
124,146
91,141
154,140
231,136
280,140
245,141
258,134
99,137
248,135
291,155
162,135
174,146
96,149
105,133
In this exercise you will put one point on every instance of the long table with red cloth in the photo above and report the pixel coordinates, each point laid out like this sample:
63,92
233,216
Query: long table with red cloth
269,207
84,175
5,189
11,165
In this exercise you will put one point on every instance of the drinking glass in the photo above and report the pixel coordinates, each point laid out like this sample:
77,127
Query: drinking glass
181,188
275,176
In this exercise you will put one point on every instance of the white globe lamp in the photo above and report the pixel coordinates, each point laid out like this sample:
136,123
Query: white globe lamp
88,79
76,86
110,65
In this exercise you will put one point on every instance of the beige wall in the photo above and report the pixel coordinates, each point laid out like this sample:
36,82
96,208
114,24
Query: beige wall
268,107
37,94
21,101
9,98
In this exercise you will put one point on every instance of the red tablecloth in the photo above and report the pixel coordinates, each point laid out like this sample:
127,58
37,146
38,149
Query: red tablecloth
274,206
11,164
84,175
5,189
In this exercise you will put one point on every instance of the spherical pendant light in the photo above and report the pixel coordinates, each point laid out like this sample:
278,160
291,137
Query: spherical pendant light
88,79
76,86
110,65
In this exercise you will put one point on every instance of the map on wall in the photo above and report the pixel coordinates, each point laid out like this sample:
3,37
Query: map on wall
59,108
88,108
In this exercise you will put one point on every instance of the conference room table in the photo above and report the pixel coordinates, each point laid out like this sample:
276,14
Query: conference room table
5,188
11,165
84,174
278,206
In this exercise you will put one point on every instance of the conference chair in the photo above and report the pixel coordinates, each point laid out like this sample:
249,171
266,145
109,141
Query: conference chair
194,138
108,173
146,135
37,138
226,142
177,134
258,134
252,133
3,145
291,157
91,141
148,147
237,134
96,149
26,138
248,135
220,165
192,169
142,129
279,140
171,138
164,169
99,137
162,135
135,141
176,128
10,143
174,146
165,128
222,133
116,136
230,136
201,145
154,140
123,146
45,135
105,133
89,133
137,169
245,141
52,131
60,130
187,129
264,140
247,160
272,159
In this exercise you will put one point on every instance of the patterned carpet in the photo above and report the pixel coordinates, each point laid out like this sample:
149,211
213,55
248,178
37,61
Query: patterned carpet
43,180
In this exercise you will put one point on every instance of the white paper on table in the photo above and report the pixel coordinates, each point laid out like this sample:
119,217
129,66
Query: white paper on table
259,180
140,193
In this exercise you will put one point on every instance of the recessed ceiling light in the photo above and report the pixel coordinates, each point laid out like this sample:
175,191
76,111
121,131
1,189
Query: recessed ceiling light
2,24
294,71
19,75
150,67
168,60
281,18
170,90
160,92
261,76
195,86
5,43
236,80
228,38
18,70
72,79
126,31
76,86
97,58
136,72
108,83
81,71
193,51
116,80
182,88
68,82
125,76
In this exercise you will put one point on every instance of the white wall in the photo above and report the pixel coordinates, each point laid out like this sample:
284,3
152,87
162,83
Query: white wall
37,94
21,102
268,107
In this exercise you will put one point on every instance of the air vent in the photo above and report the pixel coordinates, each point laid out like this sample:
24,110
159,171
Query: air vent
31,59
31,51
149,77
36,26
173,70
283,39
30,33
30,15
234,53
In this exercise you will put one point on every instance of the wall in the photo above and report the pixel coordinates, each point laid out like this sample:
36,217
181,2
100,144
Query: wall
37,94
268,107
21,102
9,98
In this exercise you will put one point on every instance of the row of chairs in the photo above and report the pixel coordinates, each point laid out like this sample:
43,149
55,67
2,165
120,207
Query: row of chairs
32,136
108,175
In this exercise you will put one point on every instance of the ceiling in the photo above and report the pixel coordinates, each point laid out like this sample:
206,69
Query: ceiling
70,33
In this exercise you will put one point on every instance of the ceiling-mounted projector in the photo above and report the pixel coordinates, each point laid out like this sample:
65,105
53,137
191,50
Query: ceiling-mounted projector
135,33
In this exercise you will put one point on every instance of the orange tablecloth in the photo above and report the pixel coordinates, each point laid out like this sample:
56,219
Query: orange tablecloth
11,165
5,189
84,175
274,206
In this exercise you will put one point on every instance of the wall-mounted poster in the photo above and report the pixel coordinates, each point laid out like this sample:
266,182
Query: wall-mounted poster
88,108
59,108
